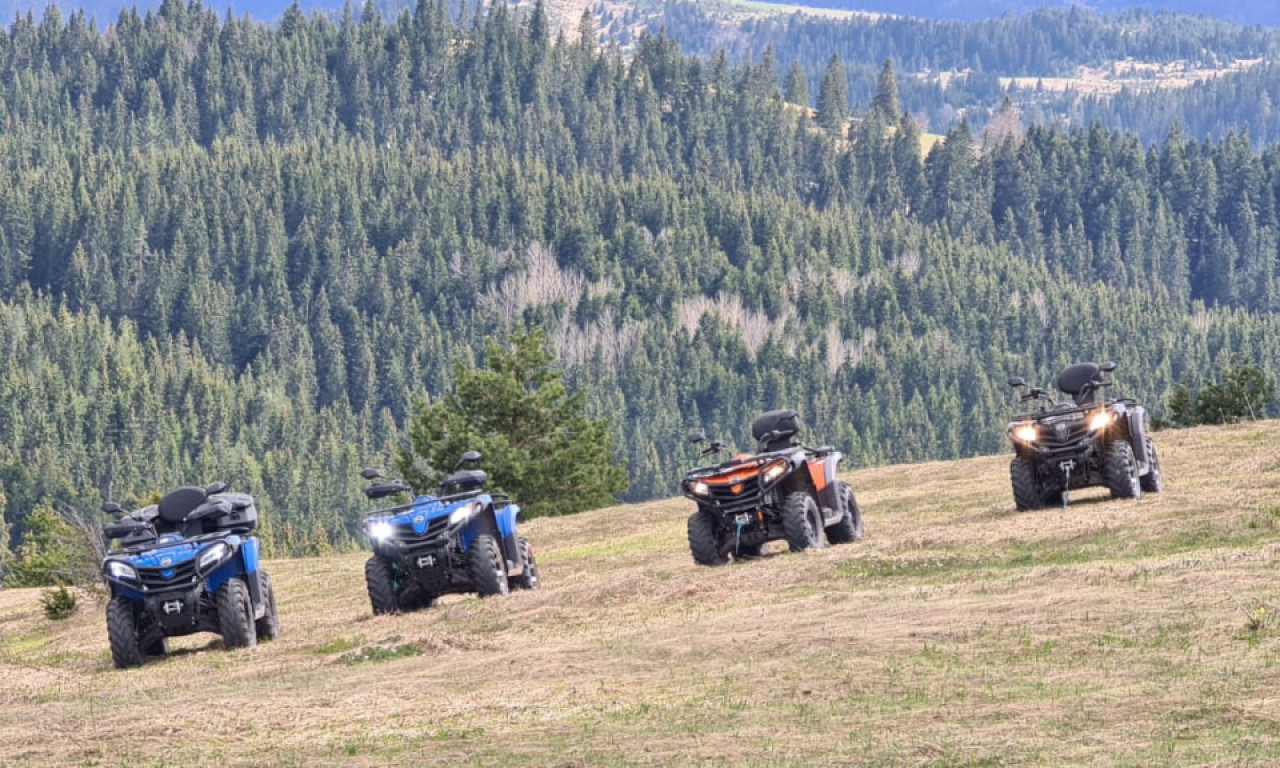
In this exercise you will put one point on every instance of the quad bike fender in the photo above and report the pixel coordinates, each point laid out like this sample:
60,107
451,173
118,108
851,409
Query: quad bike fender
500,524
822,474
1136,421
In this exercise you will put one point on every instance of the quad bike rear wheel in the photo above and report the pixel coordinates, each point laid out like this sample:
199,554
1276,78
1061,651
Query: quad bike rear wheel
802,522
488,570
703,542
1120,471
849,526
528,578
122,633
269,625
380,580
235,615
1153,481
1027,493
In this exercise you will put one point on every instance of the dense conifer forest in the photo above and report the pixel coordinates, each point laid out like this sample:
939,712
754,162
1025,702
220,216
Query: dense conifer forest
237,251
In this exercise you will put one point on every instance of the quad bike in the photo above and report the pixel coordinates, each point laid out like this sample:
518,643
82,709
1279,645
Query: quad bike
461,541
786,491
1080,442
186,565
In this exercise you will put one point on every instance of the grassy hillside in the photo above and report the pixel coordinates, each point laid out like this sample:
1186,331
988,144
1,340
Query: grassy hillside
960,632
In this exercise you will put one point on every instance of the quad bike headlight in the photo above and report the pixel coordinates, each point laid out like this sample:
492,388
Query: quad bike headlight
213,556
121,571
1100,421
773,471
381,530
699,488
1026,433
462,513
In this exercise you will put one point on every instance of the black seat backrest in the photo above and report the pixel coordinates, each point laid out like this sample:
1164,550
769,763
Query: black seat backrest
783,423
1075,379
176,505
463,481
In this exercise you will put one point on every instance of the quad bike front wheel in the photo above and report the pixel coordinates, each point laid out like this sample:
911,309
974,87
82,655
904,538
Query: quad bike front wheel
528,578
269,625
1026,486
802,522
122,633
849,526
1120,471
380,581
488,570
703,542
235,615
1153,481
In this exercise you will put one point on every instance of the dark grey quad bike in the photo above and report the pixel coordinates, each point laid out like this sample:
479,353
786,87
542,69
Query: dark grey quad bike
1080,442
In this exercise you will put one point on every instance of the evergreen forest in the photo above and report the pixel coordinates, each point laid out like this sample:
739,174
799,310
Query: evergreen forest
238,251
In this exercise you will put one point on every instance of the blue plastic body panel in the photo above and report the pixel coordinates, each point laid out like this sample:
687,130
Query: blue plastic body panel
177,551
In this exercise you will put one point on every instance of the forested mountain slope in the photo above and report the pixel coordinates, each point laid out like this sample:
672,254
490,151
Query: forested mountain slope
1240,11
234,250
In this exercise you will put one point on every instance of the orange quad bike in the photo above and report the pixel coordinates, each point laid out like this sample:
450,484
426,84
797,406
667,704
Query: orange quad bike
786,491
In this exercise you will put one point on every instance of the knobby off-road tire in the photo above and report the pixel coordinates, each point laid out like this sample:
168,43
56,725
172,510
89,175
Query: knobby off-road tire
528,578
382,586
1120,471
1153,481
488,571
269,625
703,542
849,526
1026,486
122,633
802,522
235,615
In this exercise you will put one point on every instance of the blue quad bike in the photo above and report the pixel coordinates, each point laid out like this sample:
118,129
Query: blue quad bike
459,541
186,565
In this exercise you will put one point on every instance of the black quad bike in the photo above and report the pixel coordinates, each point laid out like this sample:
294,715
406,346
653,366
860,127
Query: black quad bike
1080,442
785,491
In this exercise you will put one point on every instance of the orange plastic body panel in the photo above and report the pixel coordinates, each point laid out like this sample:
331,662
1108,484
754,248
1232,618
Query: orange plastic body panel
818,473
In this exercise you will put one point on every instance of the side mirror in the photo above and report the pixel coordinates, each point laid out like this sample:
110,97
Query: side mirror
1017,381
112,508
697,437
217,487
1108,366
370,474
469,457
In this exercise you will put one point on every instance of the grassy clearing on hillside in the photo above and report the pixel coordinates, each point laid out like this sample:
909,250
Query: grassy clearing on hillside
960,632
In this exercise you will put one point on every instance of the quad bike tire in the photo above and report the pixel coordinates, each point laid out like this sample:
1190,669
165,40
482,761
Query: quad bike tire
528,578
802,522
488,570
1120,471
382,586
268,626
414,597
122,633
849,527
1027,493
235,615
704,545
1153,481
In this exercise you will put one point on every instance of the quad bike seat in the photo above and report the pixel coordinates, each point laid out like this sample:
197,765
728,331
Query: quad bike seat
465,480
176,505
784,424
1075,379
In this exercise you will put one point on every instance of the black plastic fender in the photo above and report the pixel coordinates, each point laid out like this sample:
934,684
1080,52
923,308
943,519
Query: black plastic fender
1137,417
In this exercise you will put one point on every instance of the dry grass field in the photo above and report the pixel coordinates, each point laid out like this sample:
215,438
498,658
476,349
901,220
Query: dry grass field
959,632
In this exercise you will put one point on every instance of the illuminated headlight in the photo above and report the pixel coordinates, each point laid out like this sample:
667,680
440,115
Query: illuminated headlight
774,471
1100,421
461,513
381,530
699,488
213,556
1026,433
121,571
